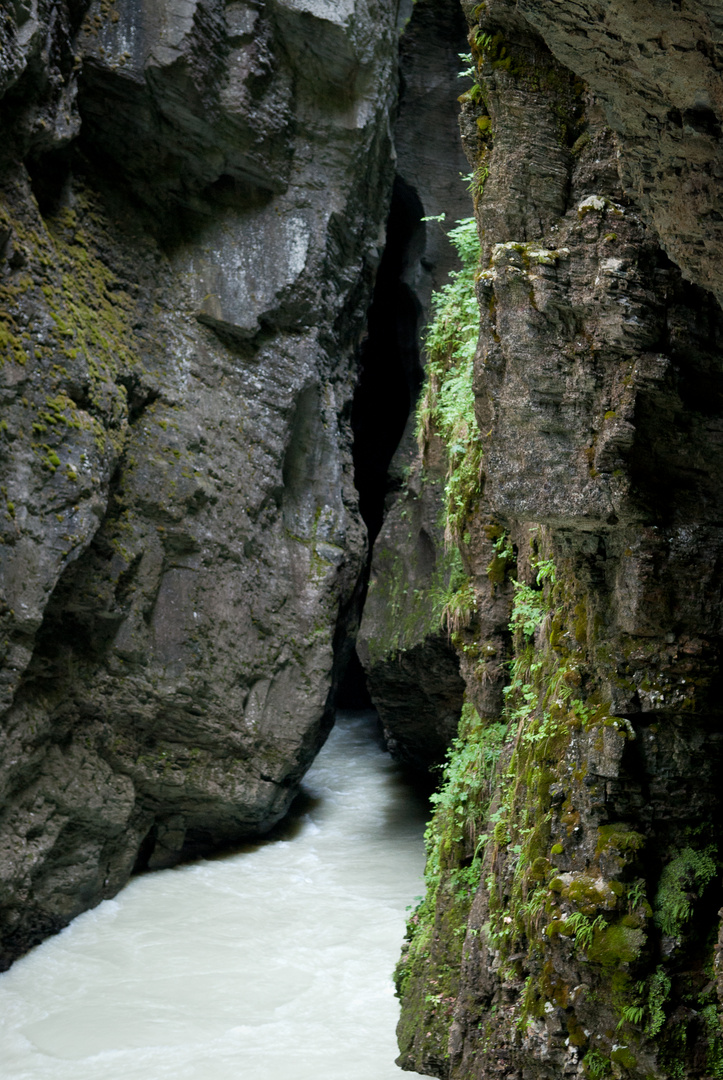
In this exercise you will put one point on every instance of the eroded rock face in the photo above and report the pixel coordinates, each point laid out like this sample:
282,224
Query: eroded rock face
412,668
656,70
193,199
596,383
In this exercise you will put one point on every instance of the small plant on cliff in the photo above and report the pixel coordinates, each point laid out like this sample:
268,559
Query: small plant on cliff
528,609
476,91
436,930
452,595
714,1062
459,608
596,1065
583,929
447,404
681,883
469,71
530,605
658,990
503,559
466,787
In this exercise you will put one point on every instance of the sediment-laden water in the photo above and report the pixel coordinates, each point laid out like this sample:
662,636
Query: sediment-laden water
272,963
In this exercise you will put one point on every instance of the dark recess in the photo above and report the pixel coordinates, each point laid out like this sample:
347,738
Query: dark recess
353,692
390,372
49,176
390,378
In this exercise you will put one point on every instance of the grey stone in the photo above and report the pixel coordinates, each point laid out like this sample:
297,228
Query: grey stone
183,290
411,665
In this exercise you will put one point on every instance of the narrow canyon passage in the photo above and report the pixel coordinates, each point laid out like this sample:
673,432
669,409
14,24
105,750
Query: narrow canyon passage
273,962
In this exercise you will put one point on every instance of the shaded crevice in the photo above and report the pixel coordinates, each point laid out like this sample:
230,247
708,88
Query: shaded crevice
389,382
49,175
390,369
145,850
412,667
353,692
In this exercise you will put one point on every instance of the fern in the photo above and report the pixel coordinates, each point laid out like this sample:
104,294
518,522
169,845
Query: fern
583,928
528,609
447,404
681,883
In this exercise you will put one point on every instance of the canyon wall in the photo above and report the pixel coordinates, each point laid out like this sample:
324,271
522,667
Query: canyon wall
411,666
571,921
192,209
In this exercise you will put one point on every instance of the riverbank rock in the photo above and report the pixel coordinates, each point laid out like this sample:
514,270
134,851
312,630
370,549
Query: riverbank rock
192,201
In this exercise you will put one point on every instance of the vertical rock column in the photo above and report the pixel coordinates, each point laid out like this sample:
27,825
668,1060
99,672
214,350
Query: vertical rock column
571,923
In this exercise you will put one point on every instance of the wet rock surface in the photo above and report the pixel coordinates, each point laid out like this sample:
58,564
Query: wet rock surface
192,210
411,666
596,384
656,71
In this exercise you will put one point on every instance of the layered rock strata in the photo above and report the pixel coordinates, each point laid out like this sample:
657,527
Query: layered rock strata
655,70
571,922
191,216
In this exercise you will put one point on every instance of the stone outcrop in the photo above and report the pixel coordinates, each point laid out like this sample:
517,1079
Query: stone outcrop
191,216
411,666
655,70
571,922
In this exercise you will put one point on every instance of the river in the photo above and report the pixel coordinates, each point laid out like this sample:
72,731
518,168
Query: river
274,962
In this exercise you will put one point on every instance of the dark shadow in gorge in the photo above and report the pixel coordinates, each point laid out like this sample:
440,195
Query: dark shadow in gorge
390,370
390,379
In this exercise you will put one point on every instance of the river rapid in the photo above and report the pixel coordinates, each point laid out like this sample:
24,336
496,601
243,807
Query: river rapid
274,962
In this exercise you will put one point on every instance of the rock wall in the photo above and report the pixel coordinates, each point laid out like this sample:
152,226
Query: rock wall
571,921
192,203
655,70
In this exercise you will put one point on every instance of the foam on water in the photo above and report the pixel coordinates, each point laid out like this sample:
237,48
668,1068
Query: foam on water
274,962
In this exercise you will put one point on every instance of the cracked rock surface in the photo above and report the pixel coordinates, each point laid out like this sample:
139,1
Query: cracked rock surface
656,71
597,393
192,201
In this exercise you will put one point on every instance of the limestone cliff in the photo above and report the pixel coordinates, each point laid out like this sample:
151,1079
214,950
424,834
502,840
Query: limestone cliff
192,205
571,919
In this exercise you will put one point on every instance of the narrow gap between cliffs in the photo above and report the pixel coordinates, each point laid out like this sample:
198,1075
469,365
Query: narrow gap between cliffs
389,383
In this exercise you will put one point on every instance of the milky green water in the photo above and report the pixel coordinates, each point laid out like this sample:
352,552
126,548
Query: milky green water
274,962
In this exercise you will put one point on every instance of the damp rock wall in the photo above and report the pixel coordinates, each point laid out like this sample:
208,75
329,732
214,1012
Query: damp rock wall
192,210
571,922
411,665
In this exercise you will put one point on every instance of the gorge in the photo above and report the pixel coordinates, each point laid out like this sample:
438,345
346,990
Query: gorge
232,477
